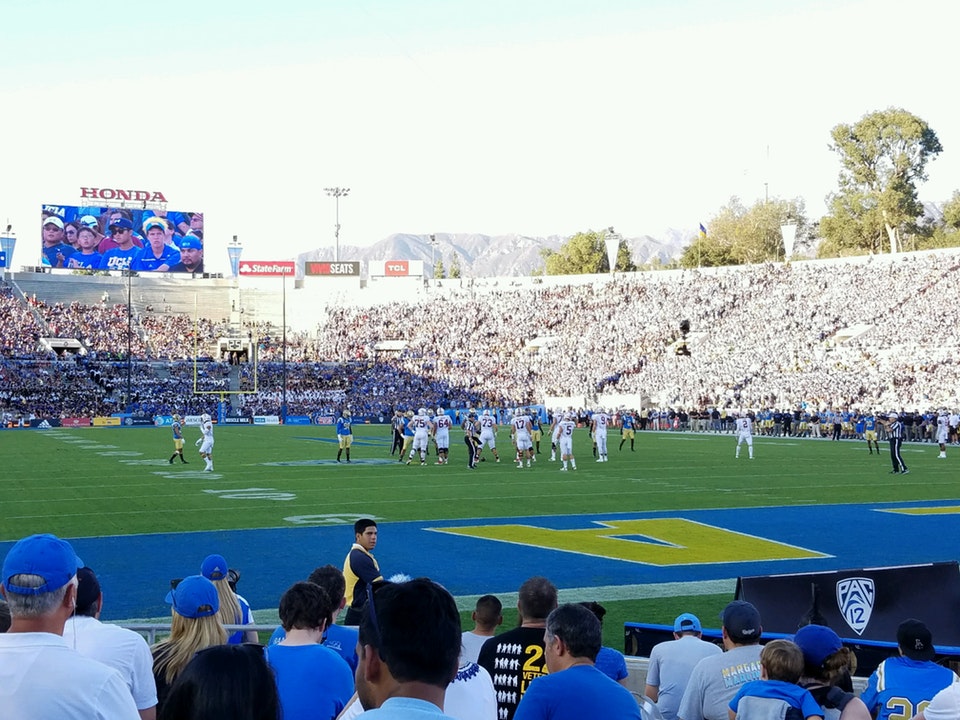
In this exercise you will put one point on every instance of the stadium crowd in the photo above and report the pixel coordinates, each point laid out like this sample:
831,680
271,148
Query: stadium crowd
864,333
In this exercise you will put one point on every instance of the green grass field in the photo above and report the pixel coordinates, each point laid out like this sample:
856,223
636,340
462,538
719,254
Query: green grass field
99,482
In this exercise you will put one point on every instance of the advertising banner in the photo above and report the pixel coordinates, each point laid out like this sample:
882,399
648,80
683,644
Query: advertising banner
266,419
297,420
75,422
396,268
314,267
44,423
267,267
325,420
237,420
106,422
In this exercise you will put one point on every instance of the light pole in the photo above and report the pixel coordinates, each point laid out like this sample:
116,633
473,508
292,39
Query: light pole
336,193
433,255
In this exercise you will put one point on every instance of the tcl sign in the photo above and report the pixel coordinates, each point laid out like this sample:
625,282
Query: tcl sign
331,268
267,267
92,193
396,268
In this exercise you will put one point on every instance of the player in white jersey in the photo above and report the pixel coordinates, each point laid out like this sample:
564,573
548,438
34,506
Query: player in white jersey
744,426
422,427
520,429
441,434
943,433
206,441
488,433
565,435
555,434
598,424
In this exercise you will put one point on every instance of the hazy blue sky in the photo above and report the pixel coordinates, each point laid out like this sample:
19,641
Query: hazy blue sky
533,116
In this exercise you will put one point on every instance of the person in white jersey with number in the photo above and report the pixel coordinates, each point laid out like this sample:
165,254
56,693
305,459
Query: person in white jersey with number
555,434
441,434
206,441
744,425
566,428
520,428
422,427
943,433
488,433
599,423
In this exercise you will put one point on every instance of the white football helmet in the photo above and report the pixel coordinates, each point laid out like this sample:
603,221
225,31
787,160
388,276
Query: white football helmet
205,417
486,412
422,411
439,411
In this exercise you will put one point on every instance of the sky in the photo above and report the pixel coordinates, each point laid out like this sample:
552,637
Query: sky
536,117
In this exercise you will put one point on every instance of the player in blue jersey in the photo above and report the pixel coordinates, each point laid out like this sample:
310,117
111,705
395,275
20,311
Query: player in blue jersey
344,434
536,432
902,686
627,431
177,440
870,432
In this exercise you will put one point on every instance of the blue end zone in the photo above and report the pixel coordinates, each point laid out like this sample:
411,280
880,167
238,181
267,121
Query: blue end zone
135,571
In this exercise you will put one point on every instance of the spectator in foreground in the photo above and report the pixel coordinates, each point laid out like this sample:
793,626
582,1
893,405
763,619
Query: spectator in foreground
487,617
234,610
776,693
575,689
40,675
828,666
716,679
609,661
114,646
224,681
409,650
672,663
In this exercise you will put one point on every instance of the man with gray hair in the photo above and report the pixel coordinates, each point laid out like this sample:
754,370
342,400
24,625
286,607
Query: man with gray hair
574,689
40,675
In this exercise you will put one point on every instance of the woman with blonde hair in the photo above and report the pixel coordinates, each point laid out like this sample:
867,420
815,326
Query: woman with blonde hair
234,610
194,627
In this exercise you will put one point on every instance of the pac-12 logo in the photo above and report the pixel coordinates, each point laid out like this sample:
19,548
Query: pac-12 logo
855,597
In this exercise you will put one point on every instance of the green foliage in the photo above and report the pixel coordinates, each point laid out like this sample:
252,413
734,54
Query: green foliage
455,270
951,212
739,235
883,157
586,253
438,270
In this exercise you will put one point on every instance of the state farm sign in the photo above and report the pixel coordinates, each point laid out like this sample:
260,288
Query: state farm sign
92,193
267,267
396,268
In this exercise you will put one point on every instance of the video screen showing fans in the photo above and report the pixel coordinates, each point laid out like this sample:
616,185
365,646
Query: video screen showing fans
103,238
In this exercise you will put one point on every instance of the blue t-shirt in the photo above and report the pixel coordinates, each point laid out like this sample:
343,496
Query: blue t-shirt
50,253
117,259
342,640
791,694
343,426
312,681
146,261
80,261
611,663
246,618
575,694
899,685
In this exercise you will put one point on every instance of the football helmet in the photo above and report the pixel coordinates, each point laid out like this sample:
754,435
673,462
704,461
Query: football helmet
205,417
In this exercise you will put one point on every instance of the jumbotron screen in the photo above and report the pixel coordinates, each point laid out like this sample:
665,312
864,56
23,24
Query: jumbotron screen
103,238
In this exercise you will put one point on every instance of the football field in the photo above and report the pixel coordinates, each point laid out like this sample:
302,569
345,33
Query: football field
650,533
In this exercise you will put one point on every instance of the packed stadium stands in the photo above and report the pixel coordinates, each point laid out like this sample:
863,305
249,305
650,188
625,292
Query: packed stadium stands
866,332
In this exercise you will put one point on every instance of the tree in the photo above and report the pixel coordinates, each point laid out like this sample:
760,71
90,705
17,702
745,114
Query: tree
455,266
586,253
740,235
438,271
883,157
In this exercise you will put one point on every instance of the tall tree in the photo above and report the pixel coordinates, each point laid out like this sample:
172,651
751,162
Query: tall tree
455,270
883,157
585,253
438,272
740,235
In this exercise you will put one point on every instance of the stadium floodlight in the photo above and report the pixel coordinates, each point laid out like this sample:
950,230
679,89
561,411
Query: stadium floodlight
336,193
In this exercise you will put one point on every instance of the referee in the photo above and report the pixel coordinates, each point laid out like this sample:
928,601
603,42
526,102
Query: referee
895,436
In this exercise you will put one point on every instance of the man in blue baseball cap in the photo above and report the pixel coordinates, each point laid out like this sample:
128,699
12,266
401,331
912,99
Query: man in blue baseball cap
191,255
40,675
672,663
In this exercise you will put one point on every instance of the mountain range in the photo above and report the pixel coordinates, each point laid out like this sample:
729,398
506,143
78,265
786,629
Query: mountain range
495,255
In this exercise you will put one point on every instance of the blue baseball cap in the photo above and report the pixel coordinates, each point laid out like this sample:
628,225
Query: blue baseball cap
191,242
121,223
214,567
154,222
194,597
687,622
44,555
818,642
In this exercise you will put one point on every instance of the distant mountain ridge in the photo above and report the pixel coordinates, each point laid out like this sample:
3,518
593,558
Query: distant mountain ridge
495,255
